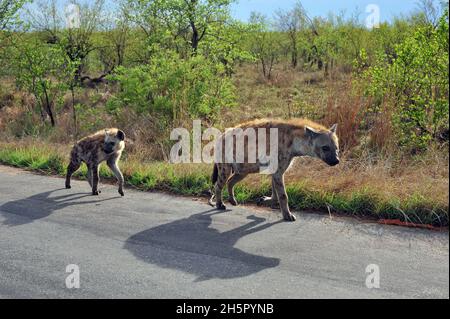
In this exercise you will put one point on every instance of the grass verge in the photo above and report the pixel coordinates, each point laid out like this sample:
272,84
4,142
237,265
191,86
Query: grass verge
194,180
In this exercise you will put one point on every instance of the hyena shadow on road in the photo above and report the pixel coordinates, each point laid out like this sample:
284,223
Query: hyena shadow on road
41,205
188,244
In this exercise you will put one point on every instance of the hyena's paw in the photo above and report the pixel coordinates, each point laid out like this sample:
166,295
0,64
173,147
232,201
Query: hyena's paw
233,201
290,217
96,193
68,186
121,193
221,206
264,200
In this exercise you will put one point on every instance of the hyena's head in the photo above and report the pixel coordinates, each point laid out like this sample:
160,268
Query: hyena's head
324,144
114,141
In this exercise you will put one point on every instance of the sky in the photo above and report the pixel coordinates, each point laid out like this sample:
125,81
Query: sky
388,8
242,9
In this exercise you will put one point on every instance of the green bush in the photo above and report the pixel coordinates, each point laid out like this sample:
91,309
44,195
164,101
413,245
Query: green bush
173,89
414,80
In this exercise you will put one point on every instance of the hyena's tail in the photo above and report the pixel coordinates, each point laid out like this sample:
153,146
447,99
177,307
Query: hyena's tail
214,177
73,154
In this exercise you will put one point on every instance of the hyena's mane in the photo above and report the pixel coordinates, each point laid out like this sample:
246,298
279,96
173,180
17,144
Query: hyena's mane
298,124
99,136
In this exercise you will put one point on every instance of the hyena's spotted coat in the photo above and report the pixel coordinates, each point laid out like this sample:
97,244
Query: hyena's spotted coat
106,145
296,138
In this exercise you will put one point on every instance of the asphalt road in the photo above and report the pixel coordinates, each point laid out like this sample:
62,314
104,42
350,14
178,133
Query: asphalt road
152,245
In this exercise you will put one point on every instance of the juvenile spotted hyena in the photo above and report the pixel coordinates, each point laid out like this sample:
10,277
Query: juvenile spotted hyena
106,145
296,138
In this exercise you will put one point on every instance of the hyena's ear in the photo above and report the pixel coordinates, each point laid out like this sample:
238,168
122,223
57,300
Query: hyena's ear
310,132
333,129
121,135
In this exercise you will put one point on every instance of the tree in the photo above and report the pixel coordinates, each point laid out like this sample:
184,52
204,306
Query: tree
264,43
190,21
430,12
8,12
201,14
8,19
416,83
292,22
116,34
42,70
75,41
190,27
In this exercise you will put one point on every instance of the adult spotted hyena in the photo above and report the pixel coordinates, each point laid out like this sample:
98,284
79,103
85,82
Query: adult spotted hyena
106,145
298,137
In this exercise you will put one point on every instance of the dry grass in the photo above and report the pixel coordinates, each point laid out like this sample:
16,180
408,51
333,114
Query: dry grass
288,94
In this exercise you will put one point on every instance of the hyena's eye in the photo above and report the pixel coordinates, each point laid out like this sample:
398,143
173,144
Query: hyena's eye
326,149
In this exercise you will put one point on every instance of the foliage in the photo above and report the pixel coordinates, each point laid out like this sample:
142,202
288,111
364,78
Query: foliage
8,12
174,89
187,22
43,71
75,41
263,43
415,80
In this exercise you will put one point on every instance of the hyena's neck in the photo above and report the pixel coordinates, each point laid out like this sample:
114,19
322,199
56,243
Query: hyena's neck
301,146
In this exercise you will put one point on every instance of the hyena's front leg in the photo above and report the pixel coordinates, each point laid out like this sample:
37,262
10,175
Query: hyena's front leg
94,172
112,164
89,176
278,180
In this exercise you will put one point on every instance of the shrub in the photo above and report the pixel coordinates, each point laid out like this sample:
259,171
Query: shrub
414,81
173,89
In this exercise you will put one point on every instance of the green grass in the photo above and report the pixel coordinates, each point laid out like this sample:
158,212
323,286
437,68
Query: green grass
194,180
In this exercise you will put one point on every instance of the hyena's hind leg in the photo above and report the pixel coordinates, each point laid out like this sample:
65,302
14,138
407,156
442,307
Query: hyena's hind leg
112,164
223,173
273,199
236,178
74,165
